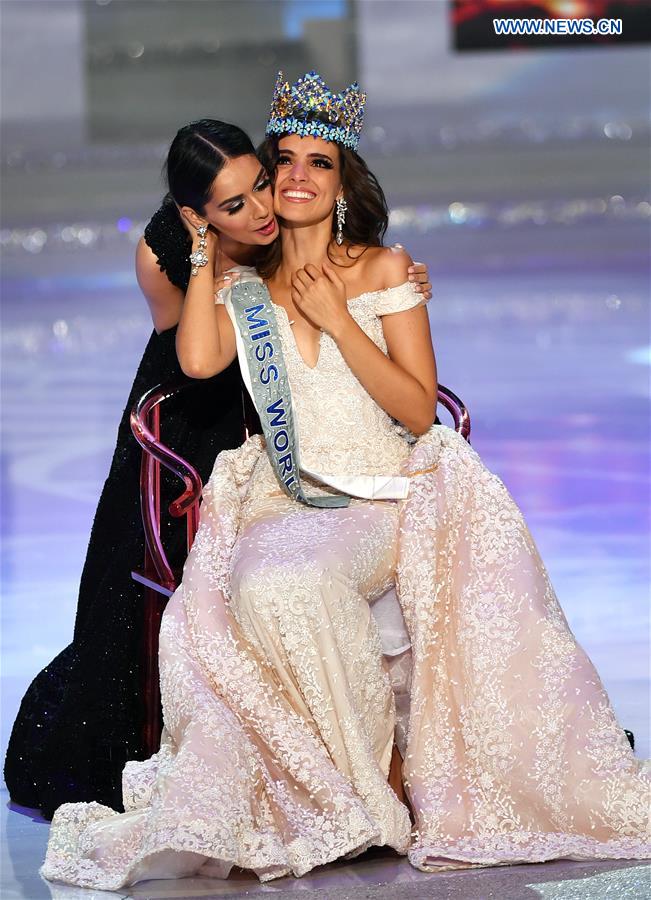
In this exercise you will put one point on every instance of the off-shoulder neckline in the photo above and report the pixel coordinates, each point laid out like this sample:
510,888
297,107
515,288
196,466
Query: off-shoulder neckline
292,336
359,296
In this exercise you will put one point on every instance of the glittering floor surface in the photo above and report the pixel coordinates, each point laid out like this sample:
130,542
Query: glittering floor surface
378,875
541,327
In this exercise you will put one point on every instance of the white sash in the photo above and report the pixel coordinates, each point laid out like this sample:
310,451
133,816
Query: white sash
366,487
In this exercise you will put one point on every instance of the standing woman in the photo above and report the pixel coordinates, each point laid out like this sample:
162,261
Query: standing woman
81,717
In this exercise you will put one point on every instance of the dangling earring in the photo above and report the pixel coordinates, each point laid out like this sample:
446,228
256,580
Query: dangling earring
341,208
199,259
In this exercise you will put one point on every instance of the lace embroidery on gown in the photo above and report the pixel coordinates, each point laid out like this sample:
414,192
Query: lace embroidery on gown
281,708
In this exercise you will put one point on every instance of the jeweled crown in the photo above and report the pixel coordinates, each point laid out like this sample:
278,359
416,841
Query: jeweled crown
309,107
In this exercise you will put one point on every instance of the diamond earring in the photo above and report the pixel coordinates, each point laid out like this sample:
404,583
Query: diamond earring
341,209
199,258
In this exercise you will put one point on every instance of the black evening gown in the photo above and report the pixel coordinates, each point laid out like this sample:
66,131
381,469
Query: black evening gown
81,717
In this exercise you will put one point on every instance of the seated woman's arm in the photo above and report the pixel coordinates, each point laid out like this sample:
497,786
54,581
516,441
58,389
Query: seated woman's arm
402,383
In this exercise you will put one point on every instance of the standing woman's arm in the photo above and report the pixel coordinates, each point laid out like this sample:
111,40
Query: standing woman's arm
163,266
164,299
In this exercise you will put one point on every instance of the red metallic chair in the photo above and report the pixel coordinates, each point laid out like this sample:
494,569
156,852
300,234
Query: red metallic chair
157,576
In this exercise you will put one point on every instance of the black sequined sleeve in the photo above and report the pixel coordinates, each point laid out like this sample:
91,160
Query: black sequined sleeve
170,242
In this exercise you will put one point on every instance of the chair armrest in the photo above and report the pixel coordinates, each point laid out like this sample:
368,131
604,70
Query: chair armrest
457,410
149,440
145,425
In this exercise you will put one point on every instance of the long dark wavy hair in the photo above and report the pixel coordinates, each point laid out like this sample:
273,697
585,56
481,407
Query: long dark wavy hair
197,155
367,214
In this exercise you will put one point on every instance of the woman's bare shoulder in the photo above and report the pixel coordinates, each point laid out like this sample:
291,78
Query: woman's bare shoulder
383,267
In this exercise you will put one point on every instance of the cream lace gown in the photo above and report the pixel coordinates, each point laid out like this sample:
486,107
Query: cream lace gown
282,699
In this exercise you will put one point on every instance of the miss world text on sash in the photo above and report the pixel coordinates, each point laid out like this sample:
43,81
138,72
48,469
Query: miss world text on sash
260,355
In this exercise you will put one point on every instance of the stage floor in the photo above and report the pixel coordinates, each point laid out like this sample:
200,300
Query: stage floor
542,329
378,875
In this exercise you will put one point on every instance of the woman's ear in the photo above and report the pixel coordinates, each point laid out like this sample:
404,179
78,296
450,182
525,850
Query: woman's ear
191,217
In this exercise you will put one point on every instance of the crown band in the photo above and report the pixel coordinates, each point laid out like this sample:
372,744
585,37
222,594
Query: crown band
309,107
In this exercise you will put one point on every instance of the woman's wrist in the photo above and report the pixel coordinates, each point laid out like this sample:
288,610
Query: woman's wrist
342,328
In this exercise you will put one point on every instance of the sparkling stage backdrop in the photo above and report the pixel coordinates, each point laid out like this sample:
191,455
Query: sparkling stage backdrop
521,179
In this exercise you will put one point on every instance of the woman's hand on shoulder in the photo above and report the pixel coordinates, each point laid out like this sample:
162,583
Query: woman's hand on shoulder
225,280
164,299
418,274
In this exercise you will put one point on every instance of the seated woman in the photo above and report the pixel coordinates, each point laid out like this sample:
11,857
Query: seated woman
280,715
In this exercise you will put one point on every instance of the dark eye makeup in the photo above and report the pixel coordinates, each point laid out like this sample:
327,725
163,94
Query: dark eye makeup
262,185
321,162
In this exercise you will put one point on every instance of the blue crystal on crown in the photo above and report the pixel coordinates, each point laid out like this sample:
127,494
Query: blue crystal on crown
309,107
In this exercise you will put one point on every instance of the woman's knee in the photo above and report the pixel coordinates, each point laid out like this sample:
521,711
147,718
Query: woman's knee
276,585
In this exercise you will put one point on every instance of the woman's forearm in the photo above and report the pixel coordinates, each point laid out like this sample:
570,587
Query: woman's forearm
396,391
199,346
197,337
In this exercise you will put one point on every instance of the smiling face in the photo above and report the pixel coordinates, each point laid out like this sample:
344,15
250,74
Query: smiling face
308,180
241,203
